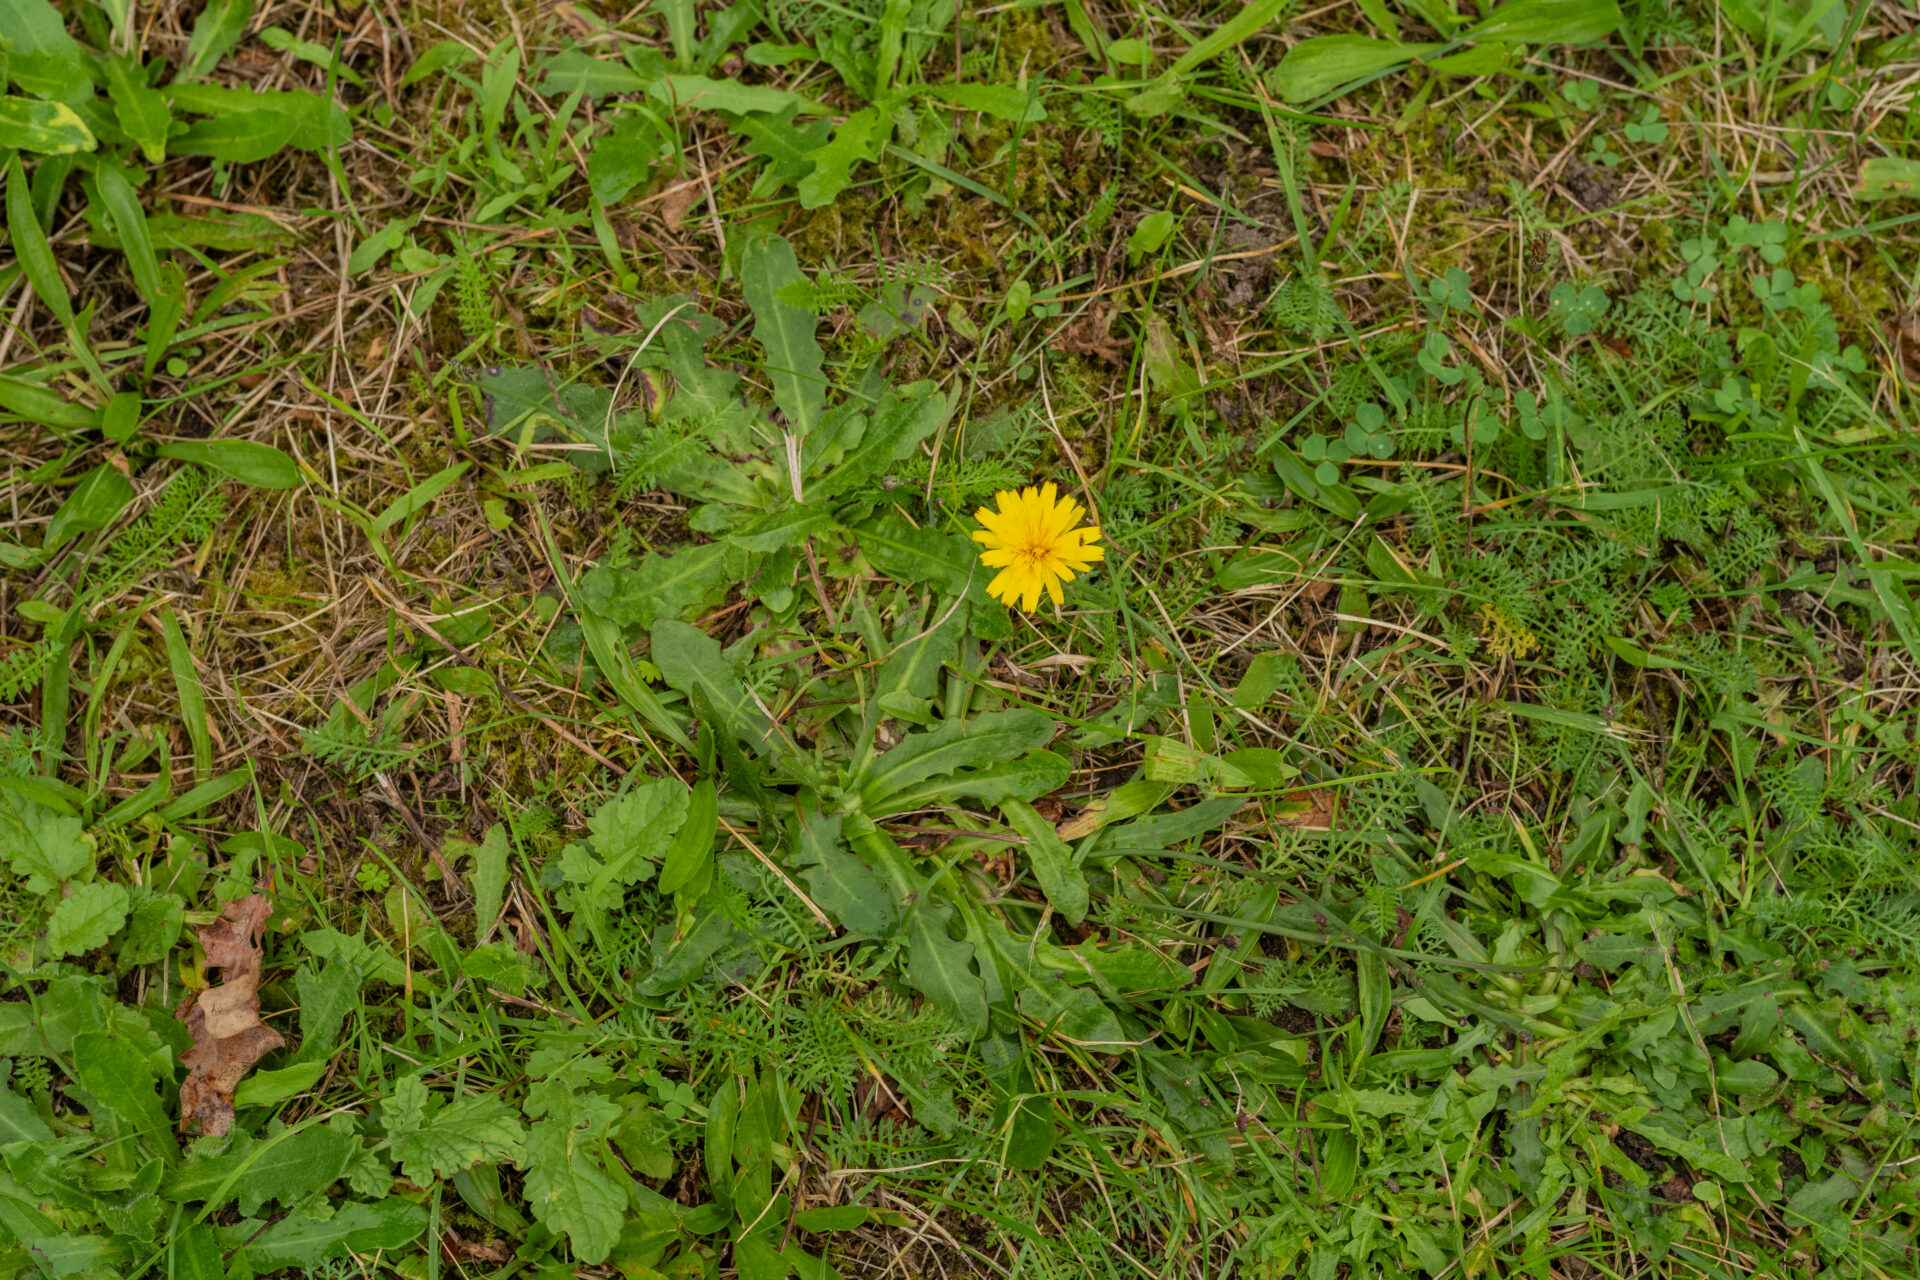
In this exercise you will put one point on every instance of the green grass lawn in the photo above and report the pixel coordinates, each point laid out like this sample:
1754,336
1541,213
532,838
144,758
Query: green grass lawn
514,763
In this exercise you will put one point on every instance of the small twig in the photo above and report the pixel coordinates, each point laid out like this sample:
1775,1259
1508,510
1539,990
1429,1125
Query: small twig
228,1255
793,1211
432,846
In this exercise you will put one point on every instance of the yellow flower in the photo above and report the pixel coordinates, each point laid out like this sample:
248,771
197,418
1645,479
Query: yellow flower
1031,539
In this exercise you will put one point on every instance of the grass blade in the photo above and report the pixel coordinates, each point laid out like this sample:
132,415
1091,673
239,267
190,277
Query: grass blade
186,683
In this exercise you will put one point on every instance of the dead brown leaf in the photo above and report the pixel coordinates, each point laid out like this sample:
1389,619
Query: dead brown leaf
233,941
456,726
457,1250
1678,1188
1091,336
875,1096
1317,590
679,202
224,1021
1309,809
1903,332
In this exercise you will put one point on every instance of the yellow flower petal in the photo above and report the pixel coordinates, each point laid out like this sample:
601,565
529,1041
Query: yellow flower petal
994,521
1029,535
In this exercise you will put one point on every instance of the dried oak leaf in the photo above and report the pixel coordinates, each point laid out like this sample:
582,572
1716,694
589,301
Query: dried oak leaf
224,1021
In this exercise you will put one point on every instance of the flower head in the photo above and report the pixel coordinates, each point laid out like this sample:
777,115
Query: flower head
1032,540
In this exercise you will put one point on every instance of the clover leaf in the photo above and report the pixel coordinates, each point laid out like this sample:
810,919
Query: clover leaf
1649,128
